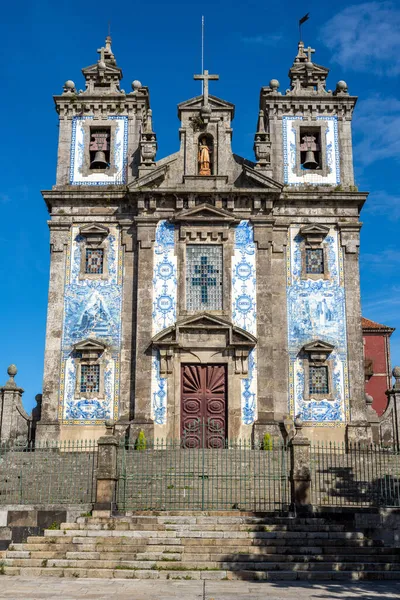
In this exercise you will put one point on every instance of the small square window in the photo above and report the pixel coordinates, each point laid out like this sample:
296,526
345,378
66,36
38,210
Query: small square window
90,378
94,261
314,261
318,380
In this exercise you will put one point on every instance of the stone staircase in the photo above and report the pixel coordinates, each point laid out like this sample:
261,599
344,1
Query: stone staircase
212,545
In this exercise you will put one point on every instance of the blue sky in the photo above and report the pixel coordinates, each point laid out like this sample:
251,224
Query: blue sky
159,44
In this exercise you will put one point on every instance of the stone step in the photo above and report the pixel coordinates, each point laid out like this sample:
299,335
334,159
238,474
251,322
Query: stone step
200,527
207,575
203,519
234,565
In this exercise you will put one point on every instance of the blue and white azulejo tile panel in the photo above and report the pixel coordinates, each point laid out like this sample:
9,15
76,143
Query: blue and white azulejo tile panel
92,309
80,145
164,310
316,310
244,309
290,154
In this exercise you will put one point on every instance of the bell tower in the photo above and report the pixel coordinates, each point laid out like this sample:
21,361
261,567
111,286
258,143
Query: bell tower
304,135
100,126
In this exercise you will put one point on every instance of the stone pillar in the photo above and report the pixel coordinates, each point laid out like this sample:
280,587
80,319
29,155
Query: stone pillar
279,339
106,472
144,264
48,427
128,345
394,403
265,394
14,421
300,472
358,428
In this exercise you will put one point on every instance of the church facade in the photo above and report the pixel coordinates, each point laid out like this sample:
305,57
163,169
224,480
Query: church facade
204,287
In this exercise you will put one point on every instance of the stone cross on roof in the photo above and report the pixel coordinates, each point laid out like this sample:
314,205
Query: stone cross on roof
205,77
309,51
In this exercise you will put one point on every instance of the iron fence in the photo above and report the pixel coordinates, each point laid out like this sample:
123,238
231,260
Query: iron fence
168,475
355,475
48,473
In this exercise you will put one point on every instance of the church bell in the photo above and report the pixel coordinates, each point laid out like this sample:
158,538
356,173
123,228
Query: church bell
310,162
99,161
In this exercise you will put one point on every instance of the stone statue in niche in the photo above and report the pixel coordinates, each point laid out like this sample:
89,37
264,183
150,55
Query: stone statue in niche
205,152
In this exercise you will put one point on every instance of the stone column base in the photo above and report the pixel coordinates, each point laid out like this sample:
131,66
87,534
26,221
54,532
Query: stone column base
47,431
137,425
263,426
359,432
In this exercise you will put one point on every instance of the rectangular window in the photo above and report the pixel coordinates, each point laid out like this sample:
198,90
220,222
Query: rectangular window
90,378
94,261
204,277
310,149
318,380
99,148
314,261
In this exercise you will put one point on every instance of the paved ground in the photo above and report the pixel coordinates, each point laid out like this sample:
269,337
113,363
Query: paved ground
21,588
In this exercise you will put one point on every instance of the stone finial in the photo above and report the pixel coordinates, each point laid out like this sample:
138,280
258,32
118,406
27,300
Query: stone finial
69,87
136,85
109,425
341,89
104,76
396,375
12,371
306,77
368,399
274,85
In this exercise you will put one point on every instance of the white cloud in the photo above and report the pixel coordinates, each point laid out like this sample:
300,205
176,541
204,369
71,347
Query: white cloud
377,123
263,40
385,260
365,37
382,203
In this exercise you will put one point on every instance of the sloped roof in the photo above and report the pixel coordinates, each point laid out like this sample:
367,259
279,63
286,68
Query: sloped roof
367,324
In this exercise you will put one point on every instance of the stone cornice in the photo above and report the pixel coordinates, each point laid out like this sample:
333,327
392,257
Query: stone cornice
278,105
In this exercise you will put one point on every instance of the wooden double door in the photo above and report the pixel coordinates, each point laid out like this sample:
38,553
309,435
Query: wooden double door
203,406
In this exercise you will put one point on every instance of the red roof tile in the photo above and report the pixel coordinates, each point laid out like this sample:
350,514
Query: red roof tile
368,324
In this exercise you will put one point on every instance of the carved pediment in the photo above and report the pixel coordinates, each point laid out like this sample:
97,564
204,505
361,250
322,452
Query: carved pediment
262,180
314,234
90,348
318,350
214,102
95,234
204,330
205,213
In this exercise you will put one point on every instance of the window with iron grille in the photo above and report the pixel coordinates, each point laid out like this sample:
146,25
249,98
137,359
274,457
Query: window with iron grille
90,378
314,261
94,261
204,277
318,380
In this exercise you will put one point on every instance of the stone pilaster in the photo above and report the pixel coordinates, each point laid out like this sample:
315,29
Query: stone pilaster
278,309
265,394
128,345
144,264
48,427
358,428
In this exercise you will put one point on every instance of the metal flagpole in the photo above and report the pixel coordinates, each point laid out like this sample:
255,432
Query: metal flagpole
202,51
